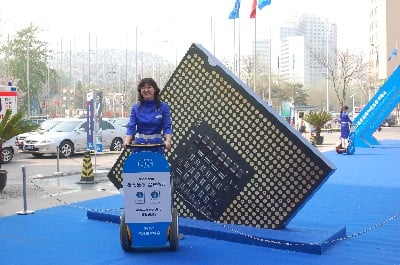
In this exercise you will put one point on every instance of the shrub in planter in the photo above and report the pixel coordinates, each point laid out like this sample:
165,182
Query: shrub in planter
318,120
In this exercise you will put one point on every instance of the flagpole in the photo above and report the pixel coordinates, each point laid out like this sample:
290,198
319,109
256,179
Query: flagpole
212,34
239,51
269,77
234,46
255,52
234,15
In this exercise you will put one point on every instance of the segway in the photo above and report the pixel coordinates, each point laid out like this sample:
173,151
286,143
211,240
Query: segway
148,219
350,149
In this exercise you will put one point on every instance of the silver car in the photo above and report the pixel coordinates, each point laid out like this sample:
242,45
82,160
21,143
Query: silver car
44,126
70,137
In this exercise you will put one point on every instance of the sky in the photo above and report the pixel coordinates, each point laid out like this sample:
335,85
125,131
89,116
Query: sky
169,27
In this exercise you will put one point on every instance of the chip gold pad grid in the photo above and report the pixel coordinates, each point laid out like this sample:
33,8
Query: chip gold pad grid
234,159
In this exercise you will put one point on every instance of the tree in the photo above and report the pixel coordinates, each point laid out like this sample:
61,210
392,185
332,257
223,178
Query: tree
318,120
291,91
31,54
343,72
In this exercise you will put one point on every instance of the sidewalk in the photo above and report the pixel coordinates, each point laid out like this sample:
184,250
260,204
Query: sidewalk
333,138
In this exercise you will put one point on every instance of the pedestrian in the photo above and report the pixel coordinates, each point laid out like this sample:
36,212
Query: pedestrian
302,127
345,122
150,118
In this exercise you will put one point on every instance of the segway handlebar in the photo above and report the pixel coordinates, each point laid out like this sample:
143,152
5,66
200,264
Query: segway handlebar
145,145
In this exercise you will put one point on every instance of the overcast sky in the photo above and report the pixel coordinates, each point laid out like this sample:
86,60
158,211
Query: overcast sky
169,27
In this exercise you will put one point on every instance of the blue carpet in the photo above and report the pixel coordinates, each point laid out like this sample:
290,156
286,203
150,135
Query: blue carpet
303,239
362,195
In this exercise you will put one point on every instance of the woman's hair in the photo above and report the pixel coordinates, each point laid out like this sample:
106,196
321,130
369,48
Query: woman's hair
149,81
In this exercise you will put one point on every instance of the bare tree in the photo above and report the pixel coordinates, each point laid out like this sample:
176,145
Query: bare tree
343,72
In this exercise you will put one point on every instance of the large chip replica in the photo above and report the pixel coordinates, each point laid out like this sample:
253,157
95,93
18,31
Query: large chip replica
234,159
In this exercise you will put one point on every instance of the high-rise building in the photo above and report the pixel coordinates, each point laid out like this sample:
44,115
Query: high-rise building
384,39
309,38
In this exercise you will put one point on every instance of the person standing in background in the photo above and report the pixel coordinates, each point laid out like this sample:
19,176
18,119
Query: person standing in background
345,122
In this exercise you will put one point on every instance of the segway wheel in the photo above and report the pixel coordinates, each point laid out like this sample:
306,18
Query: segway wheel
351,149
173,232
125,236
340,150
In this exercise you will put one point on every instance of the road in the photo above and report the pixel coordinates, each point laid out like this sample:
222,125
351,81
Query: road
51,183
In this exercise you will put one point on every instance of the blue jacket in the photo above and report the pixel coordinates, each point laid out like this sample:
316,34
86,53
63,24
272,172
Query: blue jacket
147,119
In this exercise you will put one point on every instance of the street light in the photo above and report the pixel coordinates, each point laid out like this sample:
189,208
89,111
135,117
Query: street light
327,72
27,79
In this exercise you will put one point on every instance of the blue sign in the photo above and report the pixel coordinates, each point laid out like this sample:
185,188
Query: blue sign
377,109
90,121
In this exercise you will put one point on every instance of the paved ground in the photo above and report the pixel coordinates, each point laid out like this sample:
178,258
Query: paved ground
51,184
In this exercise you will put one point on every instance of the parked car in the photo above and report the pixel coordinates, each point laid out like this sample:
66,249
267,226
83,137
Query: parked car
389,121
44,126
9,149
38,119
120,121
70,136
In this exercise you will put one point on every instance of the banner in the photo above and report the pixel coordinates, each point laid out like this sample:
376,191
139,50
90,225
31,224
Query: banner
90,120
98,106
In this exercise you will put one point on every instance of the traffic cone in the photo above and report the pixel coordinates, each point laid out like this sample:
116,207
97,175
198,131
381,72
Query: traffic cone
87,175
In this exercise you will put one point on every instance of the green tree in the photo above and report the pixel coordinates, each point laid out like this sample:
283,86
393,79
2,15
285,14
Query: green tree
28,69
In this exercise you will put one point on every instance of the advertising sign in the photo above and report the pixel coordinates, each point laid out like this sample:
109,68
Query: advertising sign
98,106
90,120
8,100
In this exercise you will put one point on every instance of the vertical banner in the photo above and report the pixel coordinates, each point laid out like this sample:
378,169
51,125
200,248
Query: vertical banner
98,106
90,120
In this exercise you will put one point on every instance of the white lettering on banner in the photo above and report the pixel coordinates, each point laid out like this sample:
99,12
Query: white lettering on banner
147,197
371,108
145,163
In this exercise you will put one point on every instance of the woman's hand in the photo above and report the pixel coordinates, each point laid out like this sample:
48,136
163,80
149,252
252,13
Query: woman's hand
167,145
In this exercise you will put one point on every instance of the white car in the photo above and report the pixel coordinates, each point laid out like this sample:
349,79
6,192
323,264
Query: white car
120,121
70,137
44,126
9,149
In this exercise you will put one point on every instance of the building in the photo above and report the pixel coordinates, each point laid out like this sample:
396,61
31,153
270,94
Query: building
301,42
384,39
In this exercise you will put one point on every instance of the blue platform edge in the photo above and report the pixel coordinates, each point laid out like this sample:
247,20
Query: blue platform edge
299,239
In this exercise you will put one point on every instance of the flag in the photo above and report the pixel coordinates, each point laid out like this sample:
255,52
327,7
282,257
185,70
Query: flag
235,11
253,9
263,3
393,54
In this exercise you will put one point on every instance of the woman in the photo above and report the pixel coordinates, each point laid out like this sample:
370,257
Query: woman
150,119
344,126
